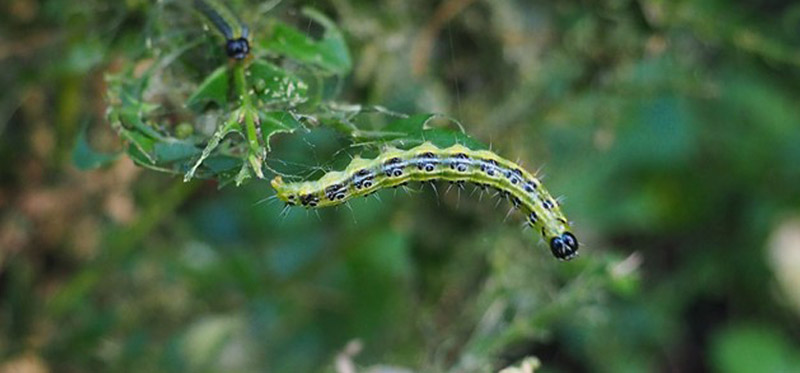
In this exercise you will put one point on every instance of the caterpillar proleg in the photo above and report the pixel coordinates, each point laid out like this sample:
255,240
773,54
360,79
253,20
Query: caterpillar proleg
426,162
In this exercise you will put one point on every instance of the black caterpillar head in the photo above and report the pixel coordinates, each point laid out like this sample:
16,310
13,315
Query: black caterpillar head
237,48
564,247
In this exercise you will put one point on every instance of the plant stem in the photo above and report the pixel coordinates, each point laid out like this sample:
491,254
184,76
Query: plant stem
249,117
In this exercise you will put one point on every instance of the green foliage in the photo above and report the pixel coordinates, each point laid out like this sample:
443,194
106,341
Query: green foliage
669,126
746,348
247,103
330,53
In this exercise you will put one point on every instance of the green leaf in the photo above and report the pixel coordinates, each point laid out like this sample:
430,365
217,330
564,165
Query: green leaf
412,126
174,150
131,118
220,164
140,147
213,89
416,129
330,53
445,138
277,122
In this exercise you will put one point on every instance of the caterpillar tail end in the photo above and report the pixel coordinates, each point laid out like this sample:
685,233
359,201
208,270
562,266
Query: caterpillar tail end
279,185
277,182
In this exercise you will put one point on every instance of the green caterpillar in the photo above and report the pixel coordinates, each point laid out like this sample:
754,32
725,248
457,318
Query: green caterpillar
236,33
427,162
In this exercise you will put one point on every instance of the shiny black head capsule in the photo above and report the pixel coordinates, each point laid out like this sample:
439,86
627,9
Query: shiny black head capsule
237,48
564,247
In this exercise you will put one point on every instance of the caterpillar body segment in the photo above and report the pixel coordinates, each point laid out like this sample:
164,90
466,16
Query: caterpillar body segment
426,162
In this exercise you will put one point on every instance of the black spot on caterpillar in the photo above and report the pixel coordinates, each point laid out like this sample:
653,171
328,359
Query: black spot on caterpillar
426,162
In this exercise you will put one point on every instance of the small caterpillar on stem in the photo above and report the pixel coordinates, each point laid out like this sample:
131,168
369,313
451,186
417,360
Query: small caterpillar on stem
235,31
426,162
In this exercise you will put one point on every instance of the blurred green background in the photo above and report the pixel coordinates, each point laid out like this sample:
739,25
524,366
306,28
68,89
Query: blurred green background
671,127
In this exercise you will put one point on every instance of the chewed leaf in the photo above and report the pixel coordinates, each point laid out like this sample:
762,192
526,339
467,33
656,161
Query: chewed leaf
230,126
213,89
276,86
277,122
329,53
